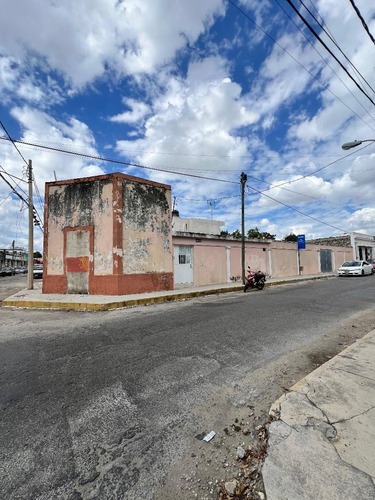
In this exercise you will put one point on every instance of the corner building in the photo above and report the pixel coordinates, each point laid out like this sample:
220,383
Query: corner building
107,235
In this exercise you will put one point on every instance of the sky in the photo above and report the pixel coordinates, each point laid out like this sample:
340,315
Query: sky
197,92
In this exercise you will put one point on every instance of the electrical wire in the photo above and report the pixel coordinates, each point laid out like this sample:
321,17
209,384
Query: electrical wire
327,48
318,169
296,210
14,176
18,151
327,64
299,63
9,175
364,24
40,223
198,176
27,164
41,203
111,160
120,162
326,30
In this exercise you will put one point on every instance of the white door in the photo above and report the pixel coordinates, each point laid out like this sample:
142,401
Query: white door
183,264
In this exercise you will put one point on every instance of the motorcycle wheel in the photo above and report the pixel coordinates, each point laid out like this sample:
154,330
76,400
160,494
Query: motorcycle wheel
246,287
260,285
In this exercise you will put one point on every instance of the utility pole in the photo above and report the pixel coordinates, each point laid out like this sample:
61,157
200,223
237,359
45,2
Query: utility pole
30,264
243,182
13,253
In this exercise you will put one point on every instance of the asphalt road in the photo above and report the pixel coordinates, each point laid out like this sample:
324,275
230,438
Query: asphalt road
10,285
101,405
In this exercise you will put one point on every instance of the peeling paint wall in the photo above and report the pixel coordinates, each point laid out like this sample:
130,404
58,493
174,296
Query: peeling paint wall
80,204
147,238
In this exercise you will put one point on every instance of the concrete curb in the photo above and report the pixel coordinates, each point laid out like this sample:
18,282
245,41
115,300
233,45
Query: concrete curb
321,369
174,296
324,429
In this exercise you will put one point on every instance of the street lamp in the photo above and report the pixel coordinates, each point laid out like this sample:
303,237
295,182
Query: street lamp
354,144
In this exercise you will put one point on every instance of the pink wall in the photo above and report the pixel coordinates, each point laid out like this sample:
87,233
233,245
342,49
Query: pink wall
275,258
210,264
210,258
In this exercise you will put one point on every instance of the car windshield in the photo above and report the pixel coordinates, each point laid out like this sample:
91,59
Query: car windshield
354,263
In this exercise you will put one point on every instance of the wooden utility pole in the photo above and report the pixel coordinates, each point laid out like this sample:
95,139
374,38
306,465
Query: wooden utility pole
243,182
30,266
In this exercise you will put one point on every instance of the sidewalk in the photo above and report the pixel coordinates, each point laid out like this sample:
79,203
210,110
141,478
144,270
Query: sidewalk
35,298
323,446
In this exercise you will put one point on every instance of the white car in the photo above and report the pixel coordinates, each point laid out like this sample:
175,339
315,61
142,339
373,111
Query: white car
38,271
355,268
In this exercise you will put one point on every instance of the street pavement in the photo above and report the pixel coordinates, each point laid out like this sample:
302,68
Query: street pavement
322,438
322,445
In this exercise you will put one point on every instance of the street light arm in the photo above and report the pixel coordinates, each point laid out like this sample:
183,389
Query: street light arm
354,144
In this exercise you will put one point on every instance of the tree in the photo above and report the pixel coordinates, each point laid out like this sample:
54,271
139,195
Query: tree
237,234
224,233
257,235
37,255
290,237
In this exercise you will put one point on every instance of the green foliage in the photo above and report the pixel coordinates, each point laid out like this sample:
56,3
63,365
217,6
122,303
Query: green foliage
258,235
290,237
224,233
37,255
237,234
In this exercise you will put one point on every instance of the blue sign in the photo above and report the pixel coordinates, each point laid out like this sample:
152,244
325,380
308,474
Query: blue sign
301,241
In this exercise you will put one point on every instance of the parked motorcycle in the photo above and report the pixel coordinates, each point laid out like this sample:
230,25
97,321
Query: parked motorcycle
255,280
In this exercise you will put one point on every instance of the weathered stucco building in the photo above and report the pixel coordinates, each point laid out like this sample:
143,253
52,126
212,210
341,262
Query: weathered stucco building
108,234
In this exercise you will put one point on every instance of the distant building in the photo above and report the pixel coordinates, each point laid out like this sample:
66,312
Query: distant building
196,226
333,241
13,257
363,245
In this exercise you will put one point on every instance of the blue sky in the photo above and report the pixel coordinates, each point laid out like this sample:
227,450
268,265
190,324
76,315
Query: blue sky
196,88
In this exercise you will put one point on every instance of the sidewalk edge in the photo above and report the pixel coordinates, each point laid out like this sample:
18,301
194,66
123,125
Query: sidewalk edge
86,306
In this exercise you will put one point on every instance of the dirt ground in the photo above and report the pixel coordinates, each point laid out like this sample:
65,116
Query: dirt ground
241,415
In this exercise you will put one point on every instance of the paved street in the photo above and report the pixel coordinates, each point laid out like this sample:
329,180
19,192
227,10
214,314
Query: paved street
12,284
104,405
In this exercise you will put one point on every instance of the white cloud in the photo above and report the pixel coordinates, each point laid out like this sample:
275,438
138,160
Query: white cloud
195,119
17,82
72,135
362,221
138,110
81,40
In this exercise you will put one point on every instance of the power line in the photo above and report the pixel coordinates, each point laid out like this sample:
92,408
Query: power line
13,189
318,169
41,204
326,63
362,21
119,162
199,176
296,210
39,222
14,176
299,63
328,49
330,36
13,142
27,164
9,175
111,160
